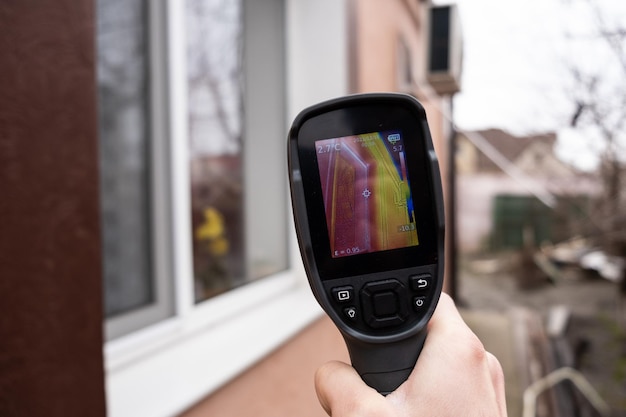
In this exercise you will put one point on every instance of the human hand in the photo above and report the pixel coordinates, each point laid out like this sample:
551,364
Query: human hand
454,376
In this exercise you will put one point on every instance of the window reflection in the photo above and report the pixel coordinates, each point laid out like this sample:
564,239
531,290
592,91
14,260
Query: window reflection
123,124
214,36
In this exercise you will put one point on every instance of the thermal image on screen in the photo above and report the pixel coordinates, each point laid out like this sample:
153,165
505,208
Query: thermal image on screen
367,198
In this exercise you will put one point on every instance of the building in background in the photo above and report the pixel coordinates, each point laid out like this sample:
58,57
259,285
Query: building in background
508,184
207,310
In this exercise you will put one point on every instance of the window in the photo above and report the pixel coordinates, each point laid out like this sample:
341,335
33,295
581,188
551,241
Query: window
209,190
134,266
124,119
215,89
404,67
234,145
218,142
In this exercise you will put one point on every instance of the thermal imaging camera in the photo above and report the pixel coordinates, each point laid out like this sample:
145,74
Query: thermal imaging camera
368,209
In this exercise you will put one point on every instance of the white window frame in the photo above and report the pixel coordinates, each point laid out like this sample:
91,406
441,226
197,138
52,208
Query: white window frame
163,369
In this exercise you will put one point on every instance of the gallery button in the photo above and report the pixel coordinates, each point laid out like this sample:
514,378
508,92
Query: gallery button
343,294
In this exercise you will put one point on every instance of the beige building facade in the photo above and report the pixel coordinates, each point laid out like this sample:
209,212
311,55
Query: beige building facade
120,118
493,163
386,50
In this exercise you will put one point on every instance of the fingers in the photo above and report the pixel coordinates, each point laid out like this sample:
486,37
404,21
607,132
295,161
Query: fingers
446,315
450,346
340,389
332,378
455,361
450,340
497,379
454,376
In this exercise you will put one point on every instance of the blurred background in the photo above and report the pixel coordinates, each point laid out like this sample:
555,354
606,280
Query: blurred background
540,181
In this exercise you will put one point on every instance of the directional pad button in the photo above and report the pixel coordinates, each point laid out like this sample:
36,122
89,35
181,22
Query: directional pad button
384,303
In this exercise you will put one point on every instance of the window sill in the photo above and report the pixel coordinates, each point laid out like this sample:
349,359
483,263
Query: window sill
164,369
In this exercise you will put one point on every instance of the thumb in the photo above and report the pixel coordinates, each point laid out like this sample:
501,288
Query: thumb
342,392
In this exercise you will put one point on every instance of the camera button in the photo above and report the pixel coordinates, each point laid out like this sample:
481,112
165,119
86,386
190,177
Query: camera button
384,303
420,282
343,294
350,313
419,303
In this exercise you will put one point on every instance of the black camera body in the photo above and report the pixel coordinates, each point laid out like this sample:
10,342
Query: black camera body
368,209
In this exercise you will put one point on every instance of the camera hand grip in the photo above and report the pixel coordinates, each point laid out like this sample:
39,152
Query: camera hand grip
386,366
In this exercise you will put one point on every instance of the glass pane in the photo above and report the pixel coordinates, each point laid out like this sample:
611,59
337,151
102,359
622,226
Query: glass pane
267,212
123,118
214,36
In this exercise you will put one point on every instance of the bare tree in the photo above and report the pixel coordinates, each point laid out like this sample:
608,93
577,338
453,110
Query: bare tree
214,68
599,109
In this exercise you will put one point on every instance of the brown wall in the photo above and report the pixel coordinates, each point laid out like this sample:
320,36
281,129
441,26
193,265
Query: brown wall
50,284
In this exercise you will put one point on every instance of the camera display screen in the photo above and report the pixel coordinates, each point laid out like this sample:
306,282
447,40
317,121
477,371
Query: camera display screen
367,197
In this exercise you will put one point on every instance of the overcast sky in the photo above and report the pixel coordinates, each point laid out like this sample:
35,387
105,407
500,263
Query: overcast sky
517,56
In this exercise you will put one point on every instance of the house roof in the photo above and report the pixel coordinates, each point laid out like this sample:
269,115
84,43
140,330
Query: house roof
511,147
